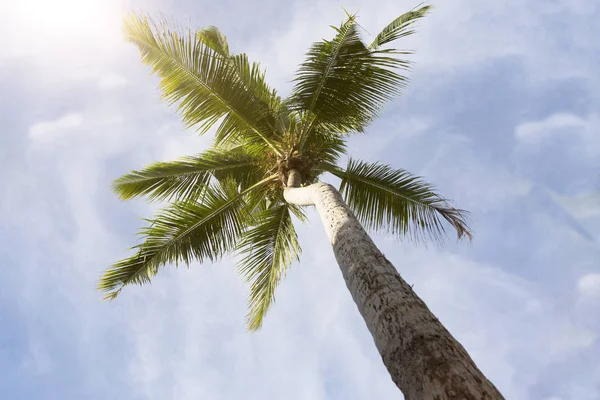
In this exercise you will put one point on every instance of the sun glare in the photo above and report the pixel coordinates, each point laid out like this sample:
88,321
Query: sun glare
64,25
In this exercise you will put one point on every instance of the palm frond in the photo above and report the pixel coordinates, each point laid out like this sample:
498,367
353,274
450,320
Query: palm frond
322,146
400,27
253,78
268,249
298,212
386,199
325,145
202,81
187,178
343,85
182,232
213,38
250,73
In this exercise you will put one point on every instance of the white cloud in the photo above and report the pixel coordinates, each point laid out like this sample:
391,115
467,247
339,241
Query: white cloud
62,42
49,131
536,131
64,28
179,143
387,133
589,286
562,151
462,33
582,131
481,185
584,206
112,81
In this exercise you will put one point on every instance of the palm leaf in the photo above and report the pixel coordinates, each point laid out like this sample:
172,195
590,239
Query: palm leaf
183,232
202,81
254,79
397,202
268,249
343,84
324,146
400,27
213,38
187,178
251,74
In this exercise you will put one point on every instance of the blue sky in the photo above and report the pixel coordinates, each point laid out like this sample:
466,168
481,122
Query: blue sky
501,115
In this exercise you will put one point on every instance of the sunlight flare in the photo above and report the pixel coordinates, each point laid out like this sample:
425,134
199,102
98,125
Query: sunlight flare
62,27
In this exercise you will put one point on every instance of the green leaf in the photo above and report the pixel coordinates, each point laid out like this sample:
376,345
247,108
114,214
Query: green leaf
343,84
386,199
213,38
268,249
187,178
254,78
203,81
400,27
183,232
325,146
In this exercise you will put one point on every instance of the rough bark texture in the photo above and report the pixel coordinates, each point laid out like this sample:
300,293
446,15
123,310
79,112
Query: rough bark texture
422,357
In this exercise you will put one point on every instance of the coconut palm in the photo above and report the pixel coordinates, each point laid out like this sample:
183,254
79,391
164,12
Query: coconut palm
264,167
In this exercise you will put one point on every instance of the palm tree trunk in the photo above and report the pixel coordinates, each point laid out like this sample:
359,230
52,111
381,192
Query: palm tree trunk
422,357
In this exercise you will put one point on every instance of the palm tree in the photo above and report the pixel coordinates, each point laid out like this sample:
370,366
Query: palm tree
264,167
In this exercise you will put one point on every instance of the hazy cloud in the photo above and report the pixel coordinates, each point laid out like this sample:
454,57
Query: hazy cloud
48,131
112,81
589,285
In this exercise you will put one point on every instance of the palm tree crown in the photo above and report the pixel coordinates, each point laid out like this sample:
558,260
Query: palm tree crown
230,198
